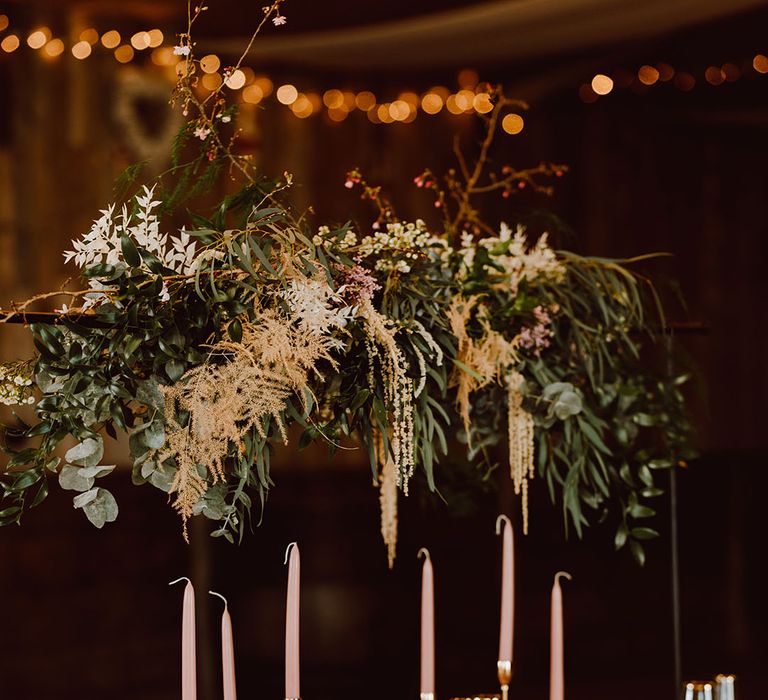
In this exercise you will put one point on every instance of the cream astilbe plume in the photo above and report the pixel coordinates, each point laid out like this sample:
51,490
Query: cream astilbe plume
382,346
521,445
387,498
239,389
485,357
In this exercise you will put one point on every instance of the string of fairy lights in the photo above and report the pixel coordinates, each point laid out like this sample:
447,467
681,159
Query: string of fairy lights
471,96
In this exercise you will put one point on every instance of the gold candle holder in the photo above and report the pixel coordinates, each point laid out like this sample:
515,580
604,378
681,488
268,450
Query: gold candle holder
504,669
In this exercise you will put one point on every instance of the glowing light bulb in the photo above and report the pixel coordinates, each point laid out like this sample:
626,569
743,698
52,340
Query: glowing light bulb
482,103
431,103
235,80
38,38
110,39
602,84
10,43
81,50
155,38
253,94
140,41
124,53
210,63
287,94
760,63
54,48
365,100
648,75
333,99
512,123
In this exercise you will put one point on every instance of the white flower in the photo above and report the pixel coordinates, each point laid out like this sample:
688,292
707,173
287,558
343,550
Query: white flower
226,118
279,20
181,50
202,132
310,303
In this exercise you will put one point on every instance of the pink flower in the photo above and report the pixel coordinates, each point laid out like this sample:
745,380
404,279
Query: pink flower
358,284
201,132
279,20
181,50
349,184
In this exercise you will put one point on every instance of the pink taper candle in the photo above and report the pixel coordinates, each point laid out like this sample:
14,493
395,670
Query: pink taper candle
188,661
227,652
556,658
427,685
292,689
507,623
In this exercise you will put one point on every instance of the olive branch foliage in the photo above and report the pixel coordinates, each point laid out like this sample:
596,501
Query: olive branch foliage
606,420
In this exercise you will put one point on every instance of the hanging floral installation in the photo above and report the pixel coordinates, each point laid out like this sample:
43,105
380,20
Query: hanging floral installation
212,345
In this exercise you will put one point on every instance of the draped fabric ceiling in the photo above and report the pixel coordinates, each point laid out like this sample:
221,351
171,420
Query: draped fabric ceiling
503,30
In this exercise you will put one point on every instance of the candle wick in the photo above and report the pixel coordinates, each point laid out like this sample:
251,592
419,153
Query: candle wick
226,605
288,549
183,578
425,552
499,520
564,574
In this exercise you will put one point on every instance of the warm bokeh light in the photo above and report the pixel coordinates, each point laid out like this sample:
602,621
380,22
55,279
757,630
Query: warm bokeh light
431,103
337,114
155,38
440,90
373,116
602,84
163,56
365,100
250,76
383,113
666,72
410,97
287,94
467,79
212,81
265,84
38,38
399,110
333,99
89,35
315,100
482,103
235,80
4,22
54,48
465,99
10,43
648,75
302,107
685,81
110,39
714,75
124,53
760,63
253,94
210,63
181,67
140,41
81,50
731,72
349,100
512,123
451,106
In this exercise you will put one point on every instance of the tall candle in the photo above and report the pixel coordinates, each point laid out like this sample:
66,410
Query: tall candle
227,652
507,622
427,684
556,657
292,689
188,661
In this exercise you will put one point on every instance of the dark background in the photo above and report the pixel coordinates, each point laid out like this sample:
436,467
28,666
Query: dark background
87,613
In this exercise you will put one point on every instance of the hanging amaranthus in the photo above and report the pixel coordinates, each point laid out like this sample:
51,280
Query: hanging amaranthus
520,432
387,498
398,389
